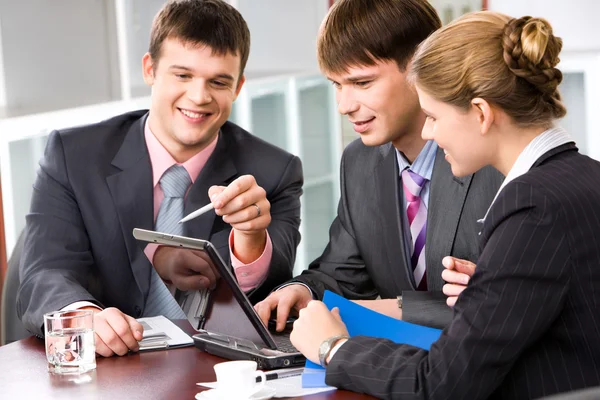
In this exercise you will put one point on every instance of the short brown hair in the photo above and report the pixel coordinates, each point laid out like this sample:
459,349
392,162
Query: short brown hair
506,61
212,23
362,32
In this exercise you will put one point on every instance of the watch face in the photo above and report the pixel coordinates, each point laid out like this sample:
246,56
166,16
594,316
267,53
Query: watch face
323,350
326,347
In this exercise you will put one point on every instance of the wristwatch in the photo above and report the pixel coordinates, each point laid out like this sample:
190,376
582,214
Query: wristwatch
399,299
326,346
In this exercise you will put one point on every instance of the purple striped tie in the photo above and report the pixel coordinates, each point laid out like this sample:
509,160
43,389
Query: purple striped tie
417,219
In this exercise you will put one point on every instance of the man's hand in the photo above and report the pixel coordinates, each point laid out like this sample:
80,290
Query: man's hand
244,205
115,332
457,273
284,300
316,324
186,269
387,307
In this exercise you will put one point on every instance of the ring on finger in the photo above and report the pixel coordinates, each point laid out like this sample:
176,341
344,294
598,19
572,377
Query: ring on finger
257,210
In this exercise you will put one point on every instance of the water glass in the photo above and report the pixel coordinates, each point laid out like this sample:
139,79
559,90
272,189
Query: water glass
70,345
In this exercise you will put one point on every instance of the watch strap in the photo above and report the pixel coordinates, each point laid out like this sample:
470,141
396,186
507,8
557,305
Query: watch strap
326,346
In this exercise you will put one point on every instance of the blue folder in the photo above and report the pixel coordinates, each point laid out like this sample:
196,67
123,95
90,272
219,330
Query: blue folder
361,321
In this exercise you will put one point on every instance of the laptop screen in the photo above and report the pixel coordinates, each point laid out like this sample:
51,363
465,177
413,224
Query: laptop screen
229,312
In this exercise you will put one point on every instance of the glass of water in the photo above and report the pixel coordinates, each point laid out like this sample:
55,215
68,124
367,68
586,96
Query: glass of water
70,346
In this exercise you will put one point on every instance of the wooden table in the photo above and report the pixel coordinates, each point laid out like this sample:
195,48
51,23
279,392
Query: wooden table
166,374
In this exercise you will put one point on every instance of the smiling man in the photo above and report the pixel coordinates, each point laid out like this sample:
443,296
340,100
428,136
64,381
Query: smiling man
146,169
401,211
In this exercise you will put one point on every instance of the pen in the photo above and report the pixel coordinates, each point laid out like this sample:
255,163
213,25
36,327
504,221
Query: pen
283,374
197,213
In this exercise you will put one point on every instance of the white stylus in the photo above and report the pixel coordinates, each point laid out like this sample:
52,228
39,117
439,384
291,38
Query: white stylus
197,213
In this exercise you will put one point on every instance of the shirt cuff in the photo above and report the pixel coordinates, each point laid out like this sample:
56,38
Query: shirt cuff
314,296
335,349
80,304
251,275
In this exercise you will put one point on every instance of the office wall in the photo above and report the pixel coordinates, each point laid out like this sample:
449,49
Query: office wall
2,86
138,22
283,33
41,76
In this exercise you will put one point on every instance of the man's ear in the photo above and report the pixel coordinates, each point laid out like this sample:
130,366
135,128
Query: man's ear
148,69
239,86
484,114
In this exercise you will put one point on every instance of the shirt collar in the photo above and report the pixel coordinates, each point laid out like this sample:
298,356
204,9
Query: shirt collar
423,164
541,144
161,160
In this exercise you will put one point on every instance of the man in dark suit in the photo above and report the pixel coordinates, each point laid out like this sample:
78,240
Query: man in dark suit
98,182
371,251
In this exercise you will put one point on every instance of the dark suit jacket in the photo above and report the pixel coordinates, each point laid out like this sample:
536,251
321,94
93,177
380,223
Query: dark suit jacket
366,255
527,325
94,186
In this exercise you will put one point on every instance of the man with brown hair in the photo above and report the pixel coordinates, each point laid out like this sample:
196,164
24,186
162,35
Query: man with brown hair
147,169
401,211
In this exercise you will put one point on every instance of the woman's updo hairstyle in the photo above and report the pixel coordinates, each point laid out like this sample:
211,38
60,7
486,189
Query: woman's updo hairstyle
509,62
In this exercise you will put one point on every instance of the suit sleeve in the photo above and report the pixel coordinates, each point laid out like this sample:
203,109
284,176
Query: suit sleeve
340,268
56,260
283,230
426,308
518,290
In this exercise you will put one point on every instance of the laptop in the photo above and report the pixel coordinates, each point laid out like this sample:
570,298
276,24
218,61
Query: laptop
228,326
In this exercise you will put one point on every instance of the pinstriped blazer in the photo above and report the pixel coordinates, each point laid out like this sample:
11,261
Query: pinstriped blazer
528,324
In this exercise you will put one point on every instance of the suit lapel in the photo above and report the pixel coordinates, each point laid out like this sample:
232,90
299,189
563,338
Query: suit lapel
219,170
132,194
387,180
446,200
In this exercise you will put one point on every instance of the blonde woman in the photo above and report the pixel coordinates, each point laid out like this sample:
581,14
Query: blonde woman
527,324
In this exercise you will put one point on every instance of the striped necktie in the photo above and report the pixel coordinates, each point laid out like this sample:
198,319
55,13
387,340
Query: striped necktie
417,219
174,184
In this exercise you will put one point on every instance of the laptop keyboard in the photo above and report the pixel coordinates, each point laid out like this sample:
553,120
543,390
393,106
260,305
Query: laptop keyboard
282,340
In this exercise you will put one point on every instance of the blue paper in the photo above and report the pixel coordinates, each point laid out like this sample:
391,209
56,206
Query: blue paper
361,321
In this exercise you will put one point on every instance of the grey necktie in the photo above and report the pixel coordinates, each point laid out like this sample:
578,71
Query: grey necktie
174,183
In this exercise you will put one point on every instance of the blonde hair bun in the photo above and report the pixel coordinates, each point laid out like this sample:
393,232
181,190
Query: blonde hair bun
531,52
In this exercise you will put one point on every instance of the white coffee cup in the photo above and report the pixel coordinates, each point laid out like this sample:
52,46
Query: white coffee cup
237,379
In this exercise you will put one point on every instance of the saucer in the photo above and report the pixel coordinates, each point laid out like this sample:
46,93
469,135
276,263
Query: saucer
265,393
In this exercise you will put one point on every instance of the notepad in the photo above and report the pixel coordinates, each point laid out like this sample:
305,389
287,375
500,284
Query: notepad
361,321
161,333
